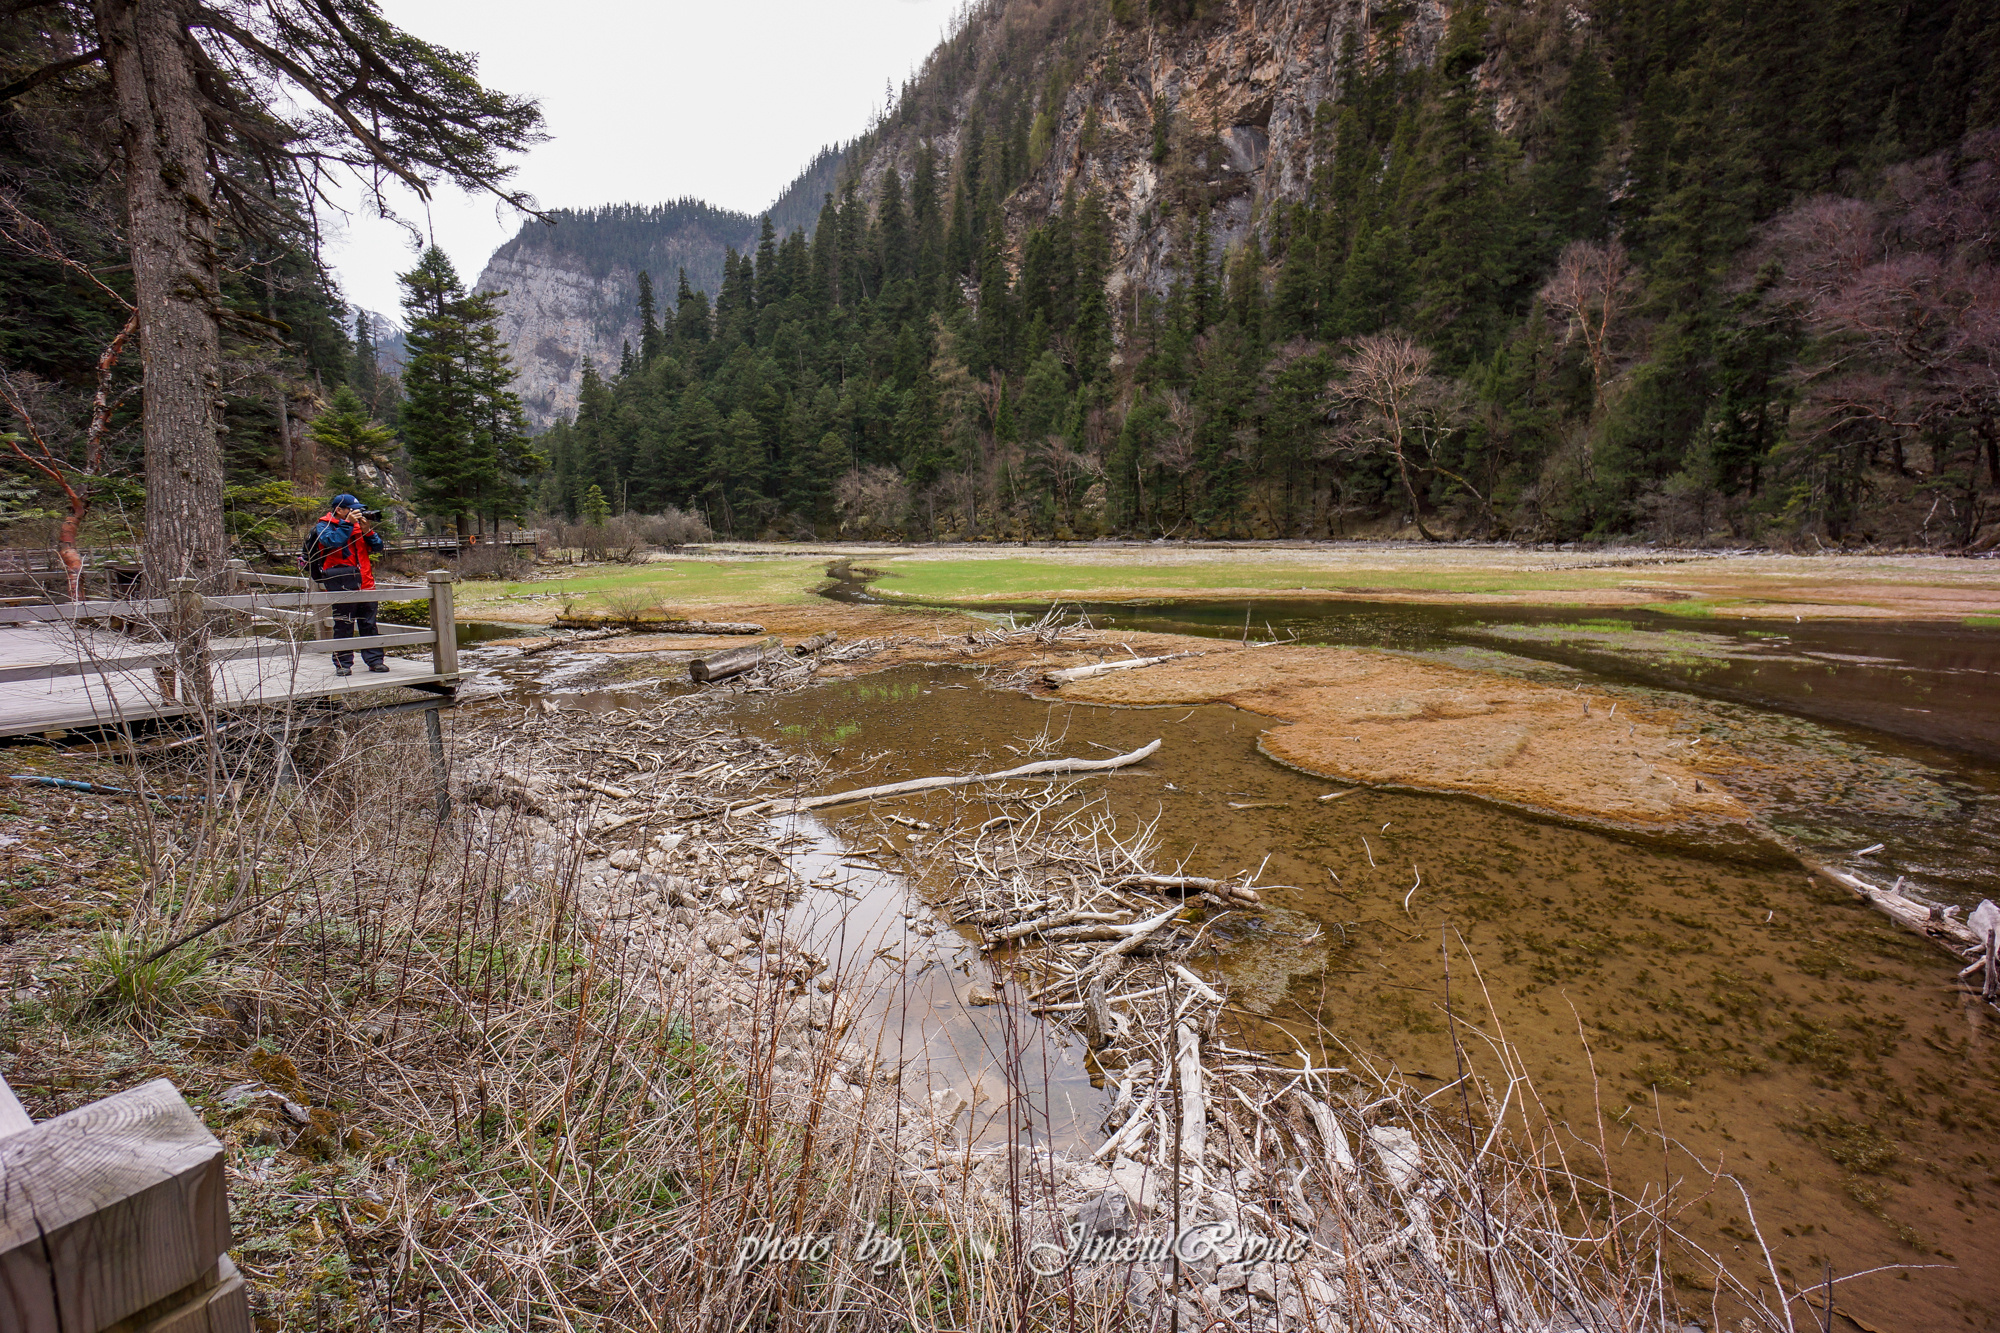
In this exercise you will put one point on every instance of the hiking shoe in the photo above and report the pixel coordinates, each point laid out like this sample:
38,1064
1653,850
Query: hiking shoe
379,666
343,671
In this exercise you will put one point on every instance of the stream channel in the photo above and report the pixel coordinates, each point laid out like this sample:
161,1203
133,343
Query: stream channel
1704,1010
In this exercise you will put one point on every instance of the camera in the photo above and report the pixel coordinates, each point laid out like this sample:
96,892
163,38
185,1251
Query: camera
372,515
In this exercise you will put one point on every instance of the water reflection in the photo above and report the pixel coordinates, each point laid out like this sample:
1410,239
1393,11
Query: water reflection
1770,1026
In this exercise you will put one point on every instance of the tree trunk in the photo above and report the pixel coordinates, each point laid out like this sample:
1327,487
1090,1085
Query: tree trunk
1416,510
175,272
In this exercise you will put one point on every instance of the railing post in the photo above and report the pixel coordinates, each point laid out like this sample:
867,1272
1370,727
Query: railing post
233,584
190,638
444,652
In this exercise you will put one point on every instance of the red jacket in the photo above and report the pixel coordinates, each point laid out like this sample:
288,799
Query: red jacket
348,549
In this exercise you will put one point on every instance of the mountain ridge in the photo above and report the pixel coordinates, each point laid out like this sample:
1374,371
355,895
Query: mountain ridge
572,288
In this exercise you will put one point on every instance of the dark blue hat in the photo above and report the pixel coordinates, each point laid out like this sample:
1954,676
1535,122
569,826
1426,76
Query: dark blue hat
346,502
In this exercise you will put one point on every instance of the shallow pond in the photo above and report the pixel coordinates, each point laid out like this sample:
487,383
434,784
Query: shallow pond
1703,1008
1695,1008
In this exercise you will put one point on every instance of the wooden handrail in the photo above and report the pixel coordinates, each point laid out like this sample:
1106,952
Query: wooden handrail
159,607
164,656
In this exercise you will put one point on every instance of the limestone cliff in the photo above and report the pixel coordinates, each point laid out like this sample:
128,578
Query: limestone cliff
557,314
1240,92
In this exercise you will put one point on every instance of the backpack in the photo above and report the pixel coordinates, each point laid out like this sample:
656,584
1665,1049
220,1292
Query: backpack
312,556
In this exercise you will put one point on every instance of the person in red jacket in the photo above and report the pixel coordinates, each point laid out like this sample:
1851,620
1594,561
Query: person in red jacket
346,538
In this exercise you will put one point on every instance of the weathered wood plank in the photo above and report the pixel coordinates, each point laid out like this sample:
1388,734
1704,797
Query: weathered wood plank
14,1117
256,649
87,701
107,1210
221,1308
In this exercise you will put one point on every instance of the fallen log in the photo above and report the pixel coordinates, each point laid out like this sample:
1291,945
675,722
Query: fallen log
1038,925
704,670
1927,919
1194,1101
1072,674
1227,890
807,647
589,636
1045,766
708,627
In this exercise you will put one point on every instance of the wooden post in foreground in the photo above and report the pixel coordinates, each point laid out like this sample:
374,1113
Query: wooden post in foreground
434,732
117,1215
444,653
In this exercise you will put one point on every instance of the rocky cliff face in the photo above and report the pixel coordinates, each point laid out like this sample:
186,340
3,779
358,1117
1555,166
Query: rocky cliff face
1242,92
557,314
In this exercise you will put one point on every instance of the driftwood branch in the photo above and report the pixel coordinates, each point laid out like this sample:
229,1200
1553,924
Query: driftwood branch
1039,769
1071,674
1227,890
1927,919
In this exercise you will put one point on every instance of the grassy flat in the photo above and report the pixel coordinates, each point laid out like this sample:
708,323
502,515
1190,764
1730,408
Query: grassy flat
1682,583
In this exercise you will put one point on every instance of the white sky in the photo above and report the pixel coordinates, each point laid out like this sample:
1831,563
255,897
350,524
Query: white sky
645,103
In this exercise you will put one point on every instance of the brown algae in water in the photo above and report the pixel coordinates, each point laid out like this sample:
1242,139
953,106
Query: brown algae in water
1727,1003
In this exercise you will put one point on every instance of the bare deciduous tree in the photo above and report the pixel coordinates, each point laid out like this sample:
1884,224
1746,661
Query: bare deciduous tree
1389,403
78,467
1591,288
1902,299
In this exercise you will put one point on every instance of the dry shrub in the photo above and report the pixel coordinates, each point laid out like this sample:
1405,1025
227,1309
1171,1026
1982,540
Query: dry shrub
492,562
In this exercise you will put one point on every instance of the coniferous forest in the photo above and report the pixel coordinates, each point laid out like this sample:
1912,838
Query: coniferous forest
1686,270
1693,271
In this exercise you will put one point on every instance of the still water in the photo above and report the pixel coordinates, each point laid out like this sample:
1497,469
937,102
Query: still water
1713,1010
1697,1009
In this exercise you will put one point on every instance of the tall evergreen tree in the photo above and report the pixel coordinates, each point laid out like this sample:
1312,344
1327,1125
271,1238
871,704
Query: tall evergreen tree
463,424
650,339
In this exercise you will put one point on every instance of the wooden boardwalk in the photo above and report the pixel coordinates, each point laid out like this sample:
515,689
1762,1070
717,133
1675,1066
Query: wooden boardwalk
70,666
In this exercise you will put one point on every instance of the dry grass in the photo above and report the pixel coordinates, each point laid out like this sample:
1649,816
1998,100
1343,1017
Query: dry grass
527,1089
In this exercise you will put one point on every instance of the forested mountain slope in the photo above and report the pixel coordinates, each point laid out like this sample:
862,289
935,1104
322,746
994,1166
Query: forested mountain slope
1696,269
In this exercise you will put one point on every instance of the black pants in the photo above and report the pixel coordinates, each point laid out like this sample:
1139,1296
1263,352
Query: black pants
352,619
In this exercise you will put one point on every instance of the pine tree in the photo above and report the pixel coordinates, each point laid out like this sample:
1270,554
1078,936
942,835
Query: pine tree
462,422
650,340
691,319
1458,211
347,430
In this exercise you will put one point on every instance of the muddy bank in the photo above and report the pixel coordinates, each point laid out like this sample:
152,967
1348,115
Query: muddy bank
787,622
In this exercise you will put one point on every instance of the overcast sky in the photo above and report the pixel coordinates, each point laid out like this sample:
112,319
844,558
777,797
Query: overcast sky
646,103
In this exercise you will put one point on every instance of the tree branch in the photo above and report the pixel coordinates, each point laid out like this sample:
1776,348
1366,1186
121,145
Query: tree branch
47,72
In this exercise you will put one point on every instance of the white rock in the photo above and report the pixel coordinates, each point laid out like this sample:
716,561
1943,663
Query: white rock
1142,1184
1984,918
624,859
1402,1161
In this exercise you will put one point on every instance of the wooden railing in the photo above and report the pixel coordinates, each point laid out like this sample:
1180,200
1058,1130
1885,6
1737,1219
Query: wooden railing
116,1217
523,537
183,618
